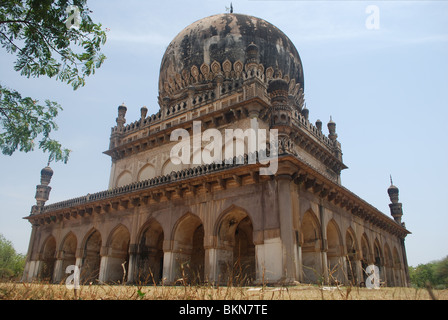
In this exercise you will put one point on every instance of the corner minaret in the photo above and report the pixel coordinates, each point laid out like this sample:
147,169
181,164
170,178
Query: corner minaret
117,131
396,209
42,190
281,111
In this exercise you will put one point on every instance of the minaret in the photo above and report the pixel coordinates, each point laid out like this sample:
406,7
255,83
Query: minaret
332,129
396,209
121,120
117,131
280,111
333,136
42,190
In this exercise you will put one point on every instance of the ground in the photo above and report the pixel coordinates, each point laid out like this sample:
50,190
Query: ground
41,291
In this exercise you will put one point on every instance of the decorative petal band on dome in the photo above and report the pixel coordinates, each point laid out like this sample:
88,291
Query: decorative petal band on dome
228,71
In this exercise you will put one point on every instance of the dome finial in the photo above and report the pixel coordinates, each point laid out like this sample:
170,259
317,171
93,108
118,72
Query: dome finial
230,9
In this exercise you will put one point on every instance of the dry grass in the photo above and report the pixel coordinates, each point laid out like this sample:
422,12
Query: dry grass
42,291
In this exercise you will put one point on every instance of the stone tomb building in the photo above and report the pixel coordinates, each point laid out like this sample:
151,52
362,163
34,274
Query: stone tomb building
159,222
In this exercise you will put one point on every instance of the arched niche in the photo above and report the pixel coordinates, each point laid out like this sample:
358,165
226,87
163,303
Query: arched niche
146,172
235,247
118,257
310,234
188,248
124,179
150,253
48,259
91,259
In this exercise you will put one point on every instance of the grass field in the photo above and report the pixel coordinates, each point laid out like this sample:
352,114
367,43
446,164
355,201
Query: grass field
42,291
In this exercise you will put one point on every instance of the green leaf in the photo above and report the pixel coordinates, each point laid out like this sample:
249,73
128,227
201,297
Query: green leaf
36,33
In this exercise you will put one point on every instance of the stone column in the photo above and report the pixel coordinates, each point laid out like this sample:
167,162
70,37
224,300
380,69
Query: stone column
359,271
269,264
299,263
35,270
286,223
58,272
27,272
132,263
324,260
103,276
168,267
324,247
211,265
342,273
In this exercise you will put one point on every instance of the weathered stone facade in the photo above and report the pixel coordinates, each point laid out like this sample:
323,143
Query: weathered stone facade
159,222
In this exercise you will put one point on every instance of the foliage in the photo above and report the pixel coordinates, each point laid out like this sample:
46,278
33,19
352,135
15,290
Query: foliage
11,262
36,32
434,273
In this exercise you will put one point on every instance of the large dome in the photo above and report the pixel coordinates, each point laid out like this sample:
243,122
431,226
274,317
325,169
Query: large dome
227,42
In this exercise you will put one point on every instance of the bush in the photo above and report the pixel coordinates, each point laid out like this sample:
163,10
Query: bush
434,273
11,262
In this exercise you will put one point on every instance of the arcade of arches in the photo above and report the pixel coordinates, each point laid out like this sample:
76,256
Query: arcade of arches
244,220
225,251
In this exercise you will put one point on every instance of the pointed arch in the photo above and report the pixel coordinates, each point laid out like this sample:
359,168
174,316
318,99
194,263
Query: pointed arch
351,244
351,248
150,252
378,258
67,250
146,172
377,253
91,259
334,238
397,267
124,178
118,255
310,228
388,262
188,247
48,256
232,215
168,167
235,246
365,248
365,254
334,252
311,241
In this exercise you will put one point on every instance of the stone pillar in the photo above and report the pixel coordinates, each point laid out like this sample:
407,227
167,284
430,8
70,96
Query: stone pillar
210,266
324,247
299,262
269,261
286,224
342,273
324,265
103,276
132,263
28,270
36,266
58,272
34,272
78,260
359,271
405,265
168,267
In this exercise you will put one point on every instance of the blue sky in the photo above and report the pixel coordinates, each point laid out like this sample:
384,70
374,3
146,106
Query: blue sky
386,89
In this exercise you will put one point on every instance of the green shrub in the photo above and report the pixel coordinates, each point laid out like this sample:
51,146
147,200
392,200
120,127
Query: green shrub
11,262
